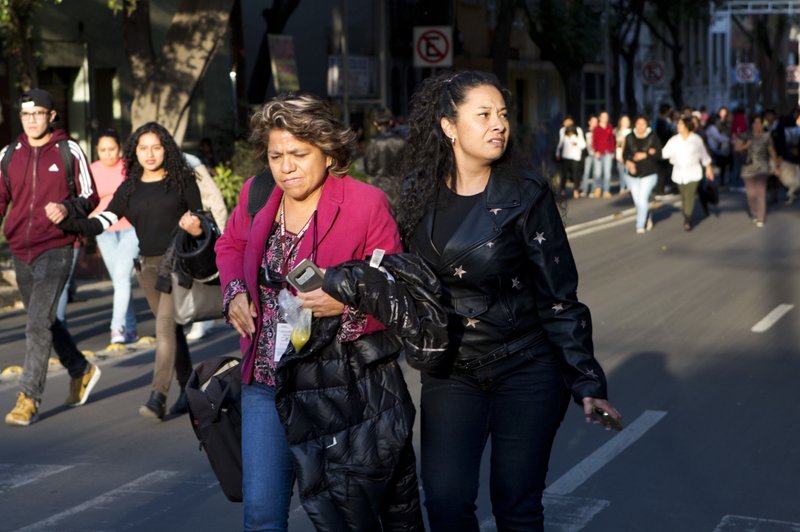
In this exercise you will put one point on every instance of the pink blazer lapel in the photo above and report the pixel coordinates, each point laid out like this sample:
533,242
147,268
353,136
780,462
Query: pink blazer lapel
330,203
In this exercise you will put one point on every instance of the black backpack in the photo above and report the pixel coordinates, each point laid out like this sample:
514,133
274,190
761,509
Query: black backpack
214,391
66,158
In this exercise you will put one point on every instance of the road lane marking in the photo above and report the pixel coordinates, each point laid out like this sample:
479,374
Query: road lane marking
13,475
581,472
740,523
140,485
562,514
772,318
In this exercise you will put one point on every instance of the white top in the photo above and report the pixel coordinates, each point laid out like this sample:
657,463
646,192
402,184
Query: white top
571,147
687,156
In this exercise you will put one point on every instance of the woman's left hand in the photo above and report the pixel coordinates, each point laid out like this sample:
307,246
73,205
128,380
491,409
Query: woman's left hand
321,304
590,403
191,224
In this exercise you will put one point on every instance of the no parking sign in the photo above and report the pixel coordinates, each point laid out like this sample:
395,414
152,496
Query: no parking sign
433,46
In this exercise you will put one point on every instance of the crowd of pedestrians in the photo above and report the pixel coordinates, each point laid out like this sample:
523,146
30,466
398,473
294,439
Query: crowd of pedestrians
681,151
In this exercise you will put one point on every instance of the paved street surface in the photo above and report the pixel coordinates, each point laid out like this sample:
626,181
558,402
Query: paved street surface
709,405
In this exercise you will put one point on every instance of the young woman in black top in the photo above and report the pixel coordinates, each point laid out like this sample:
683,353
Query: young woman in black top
158,192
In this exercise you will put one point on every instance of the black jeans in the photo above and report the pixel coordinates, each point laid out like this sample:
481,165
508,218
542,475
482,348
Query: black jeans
519,403
40,285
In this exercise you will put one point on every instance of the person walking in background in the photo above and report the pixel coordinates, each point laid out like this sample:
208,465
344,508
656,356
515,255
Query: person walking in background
159,191
664,129
621,133
688,156
604,147
570,150
589,161
383,155
118,245
517,331
718,136
33,174
759,153
641,154
213,202
738,129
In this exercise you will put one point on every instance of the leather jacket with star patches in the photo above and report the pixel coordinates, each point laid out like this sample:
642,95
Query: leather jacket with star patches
509,282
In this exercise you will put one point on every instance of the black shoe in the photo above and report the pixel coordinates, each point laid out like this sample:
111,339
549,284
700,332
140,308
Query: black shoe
155,406
181,405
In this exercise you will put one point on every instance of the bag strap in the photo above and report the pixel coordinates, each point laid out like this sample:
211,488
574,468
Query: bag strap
260,190
10,149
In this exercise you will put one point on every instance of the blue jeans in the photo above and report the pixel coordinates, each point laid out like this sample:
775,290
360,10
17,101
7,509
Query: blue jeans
119,248
267,473
586,179
602,169
63,299
40,284
641,187
622,172
519,403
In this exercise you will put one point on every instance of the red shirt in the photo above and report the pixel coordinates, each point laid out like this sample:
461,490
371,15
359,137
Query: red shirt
603,140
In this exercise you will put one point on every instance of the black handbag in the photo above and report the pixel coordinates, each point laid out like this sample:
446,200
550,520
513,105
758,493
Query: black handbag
214,393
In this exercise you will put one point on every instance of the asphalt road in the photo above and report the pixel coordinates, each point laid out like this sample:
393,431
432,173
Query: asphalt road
708,404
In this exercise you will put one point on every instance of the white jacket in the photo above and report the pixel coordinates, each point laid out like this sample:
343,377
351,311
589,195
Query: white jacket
687,156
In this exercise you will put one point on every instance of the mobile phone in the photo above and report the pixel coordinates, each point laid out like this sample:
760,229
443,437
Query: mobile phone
605,419
305,277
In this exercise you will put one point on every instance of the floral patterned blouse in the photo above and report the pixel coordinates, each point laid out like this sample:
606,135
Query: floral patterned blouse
353,322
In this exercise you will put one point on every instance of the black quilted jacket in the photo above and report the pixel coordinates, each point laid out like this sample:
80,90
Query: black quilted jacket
346,409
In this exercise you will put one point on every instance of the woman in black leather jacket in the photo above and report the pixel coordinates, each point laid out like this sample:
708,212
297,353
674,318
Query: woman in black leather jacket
492,232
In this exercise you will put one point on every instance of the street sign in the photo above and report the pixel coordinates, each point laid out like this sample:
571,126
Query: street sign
433,46
653,72
746,73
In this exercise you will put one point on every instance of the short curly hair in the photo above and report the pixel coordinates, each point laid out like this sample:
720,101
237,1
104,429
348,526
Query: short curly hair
309,118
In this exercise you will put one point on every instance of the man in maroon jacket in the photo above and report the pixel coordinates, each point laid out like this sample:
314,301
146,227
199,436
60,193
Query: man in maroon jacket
36,175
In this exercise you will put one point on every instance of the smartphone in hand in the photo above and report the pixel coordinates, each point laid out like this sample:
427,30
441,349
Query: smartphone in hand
305,277
605,419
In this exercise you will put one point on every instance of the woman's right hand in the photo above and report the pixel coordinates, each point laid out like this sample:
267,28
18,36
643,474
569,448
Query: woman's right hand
242,314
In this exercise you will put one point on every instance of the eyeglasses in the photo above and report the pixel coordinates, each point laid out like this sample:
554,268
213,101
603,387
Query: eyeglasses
36,115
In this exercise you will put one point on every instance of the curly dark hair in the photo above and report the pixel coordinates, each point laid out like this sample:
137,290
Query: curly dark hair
429,162
309,118
177,169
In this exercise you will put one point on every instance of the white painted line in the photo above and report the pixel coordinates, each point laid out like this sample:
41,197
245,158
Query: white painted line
595,461
597,228
740,523
562,514
772,318
13,476
141,484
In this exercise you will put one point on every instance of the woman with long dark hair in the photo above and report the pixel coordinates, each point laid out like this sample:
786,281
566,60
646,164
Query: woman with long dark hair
492,232
156,197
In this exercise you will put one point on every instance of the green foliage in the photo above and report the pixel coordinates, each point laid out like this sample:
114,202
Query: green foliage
566,31
229,184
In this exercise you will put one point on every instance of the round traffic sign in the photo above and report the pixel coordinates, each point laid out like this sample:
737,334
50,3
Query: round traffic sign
433,47
653,72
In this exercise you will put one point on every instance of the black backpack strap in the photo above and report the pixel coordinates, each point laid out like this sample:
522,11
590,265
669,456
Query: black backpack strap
260,189
69,167
10,149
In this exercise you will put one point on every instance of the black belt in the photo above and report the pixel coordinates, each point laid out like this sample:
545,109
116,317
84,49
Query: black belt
500,353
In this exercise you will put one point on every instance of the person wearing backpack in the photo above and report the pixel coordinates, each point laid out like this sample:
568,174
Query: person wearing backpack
44,166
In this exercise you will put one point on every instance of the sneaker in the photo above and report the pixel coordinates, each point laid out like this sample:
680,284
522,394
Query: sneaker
607,195
640,231
200,329
25,412
597,193
759,223
81,387
122,336
155,406
649,225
